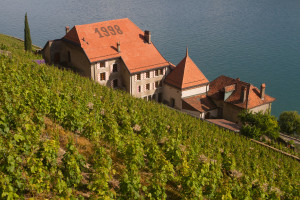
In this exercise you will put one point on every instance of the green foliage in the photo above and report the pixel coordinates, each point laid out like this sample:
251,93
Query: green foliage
99,180
289,122
3,47
257,124
122,147
27,37
73,163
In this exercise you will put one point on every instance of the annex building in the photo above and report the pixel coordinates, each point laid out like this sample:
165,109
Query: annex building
120,55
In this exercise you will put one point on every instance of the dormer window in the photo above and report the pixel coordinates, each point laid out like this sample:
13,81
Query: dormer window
115,67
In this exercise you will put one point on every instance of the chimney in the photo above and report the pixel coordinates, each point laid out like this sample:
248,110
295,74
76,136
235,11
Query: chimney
118,47
244,94
147,36
67,29
262,91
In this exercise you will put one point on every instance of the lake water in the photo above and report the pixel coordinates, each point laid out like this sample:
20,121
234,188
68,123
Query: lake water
256,40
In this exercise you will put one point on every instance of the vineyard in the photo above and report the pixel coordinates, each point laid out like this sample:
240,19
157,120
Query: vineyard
63,136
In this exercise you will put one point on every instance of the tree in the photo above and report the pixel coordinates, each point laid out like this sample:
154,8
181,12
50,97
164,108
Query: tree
289,122
257,124
27,37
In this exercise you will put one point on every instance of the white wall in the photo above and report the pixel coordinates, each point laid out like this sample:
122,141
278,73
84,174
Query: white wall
194,91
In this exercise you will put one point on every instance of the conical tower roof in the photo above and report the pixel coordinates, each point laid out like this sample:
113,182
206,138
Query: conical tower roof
186,74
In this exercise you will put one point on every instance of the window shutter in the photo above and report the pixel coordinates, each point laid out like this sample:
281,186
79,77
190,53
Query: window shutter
106,76
164,71
111,83
111,68
151,74
135,77
145,88
153,86
98,66
98,77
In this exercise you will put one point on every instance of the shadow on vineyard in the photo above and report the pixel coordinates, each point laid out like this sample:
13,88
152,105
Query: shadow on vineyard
63,136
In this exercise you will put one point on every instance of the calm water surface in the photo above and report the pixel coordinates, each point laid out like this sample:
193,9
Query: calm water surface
256,40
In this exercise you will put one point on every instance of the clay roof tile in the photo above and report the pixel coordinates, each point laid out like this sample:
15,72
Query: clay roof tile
216,91
186,74
99,42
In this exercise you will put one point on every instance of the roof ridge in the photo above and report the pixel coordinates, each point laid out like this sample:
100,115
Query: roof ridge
103,21
183,73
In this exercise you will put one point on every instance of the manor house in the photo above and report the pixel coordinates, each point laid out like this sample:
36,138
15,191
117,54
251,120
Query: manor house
120,55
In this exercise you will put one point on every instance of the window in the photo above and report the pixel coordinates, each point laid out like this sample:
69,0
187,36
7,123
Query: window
172,103
147,74
69,56
149,98
115,83
102,64
115,67
139,89
156,72
145,98
138,77
102,76
161,71
148,86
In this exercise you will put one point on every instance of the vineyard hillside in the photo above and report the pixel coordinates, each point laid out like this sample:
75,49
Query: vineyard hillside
62,136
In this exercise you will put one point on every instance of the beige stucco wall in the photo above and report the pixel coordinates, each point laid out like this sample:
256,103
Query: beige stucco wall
263,108
125,76
213,113
172,92
96,70
46,52
79,61
153,90
230,112
195,91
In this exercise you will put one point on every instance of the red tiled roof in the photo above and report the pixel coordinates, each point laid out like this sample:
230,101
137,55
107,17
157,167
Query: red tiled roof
186,74
99,42
229,88
217,88
199,102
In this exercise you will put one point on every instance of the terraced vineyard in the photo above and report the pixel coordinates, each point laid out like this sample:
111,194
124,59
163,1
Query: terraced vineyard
64,136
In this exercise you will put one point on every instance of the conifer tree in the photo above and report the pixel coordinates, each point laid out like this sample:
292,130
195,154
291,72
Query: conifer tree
27,38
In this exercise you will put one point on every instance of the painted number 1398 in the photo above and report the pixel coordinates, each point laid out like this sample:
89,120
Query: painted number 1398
109,30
